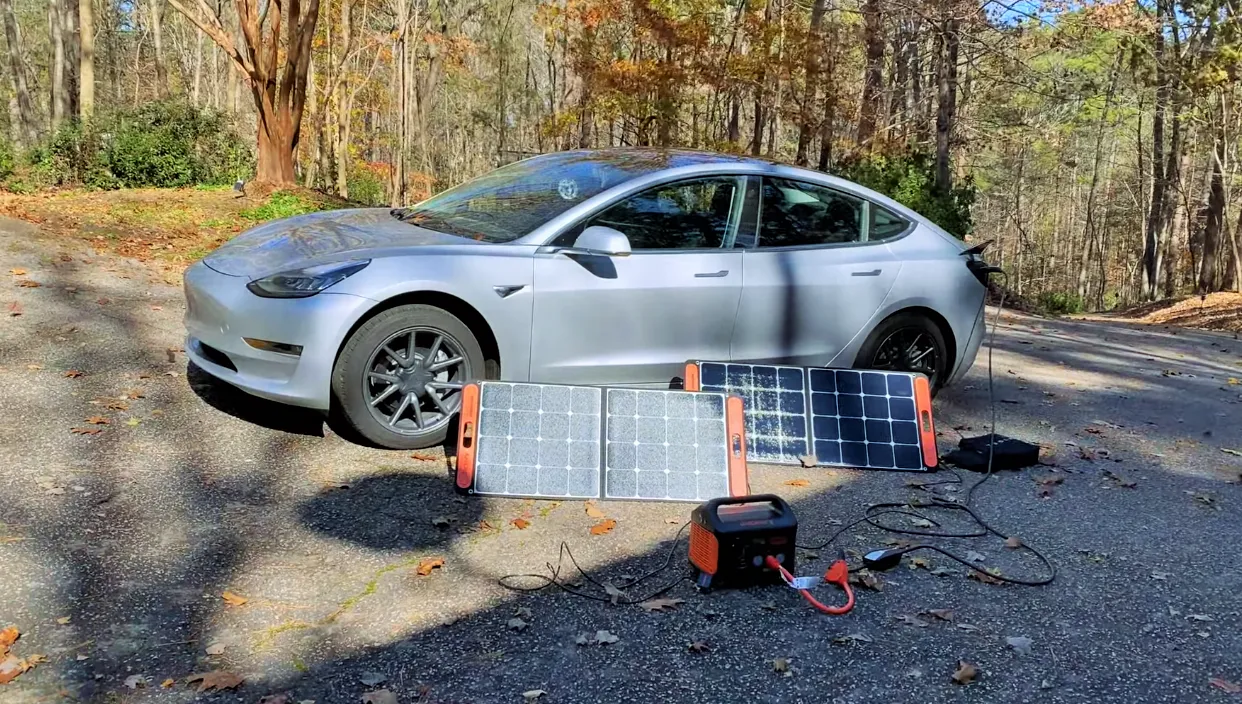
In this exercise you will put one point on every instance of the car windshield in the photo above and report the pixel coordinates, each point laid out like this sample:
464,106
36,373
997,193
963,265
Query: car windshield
513,200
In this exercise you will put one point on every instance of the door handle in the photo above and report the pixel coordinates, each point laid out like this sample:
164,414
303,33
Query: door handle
873,272
712,275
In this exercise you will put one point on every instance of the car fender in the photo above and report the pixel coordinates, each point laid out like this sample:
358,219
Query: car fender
497,285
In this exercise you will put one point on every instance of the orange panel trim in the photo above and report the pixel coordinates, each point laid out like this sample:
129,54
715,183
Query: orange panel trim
467,435
691,380
927,429
735,432
704,549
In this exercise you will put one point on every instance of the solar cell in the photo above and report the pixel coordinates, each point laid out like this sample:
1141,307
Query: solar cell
844,417
774,399
546,440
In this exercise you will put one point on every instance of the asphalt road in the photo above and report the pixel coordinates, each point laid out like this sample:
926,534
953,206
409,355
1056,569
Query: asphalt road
116,547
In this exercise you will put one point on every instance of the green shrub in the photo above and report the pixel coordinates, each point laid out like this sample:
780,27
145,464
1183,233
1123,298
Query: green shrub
368,184
281,204
7,162
1060,302
164,145
910,179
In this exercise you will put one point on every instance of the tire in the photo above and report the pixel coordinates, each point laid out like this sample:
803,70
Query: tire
378,352
902,331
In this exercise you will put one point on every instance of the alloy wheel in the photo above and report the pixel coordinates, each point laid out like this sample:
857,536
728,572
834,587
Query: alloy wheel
414,379
909,350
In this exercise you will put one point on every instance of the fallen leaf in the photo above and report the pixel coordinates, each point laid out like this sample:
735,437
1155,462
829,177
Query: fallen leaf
808,460
853,638
372,679
605,638
73,373
216,679
986,577
86,431
973,556
441,521
942,572
427,565
64,620
29,283
157,307
379,696
1233,381
1049,479
922,523
117,406
522,612
673,521
603,526
652,605
136,681
699,646
613,592
1231,451
593,511
17,272
97,420
133,422
516,624
1199,617
783,666
168,683
529,695
1013,543
520,523
1022,644
966,672
422,457
1225,685
768,606
215,649
918,563
233,599
942,614
583,639
132,394
868,579
33,367
1120,480
15,309
103,301
968,627
913,621
798,482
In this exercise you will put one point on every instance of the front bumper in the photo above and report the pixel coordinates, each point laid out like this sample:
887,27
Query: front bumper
221,311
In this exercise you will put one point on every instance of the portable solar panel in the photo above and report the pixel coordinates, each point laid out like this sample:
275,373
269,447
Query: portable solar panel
843,417
547,440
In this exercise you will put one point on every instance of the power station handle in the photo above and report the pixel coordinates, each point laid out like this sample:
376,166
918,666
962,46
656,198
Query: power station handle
772,499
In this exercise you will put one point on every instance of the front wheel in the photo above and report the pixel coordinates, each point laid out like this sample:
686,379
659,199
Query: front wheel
907,342
398,379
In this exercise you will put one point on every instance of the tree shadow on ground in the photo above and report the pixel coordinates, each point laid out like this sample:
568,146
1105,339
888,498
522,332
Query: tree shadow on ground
226,398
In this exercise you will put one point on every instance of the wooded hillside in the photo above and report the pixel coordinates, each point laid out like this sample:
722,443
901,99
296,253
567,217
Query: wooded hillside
1098,144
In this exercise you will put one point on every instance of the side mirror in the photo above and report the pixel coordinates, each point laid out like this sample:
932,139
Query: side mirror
600,240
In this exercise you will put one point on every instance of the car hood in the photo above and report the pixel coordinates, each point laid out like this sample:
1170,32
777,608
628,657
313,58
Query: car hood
319,238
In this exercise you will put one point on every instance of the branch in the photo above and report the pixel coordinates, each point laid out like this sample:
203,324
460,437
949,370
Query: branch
215,30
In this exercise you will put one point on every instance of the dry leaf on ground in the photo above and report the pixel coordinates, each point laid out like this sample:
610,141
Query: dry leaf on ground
853,638
8,637
516,624
64,620
427,565
613,592
660,604
1225,685
783,666
1021,644
423,457
986,577
941,614
379,696
17,272
603,526
1013,543
592,510
97,420
233,599
29,283
699,646
520,523
913,621
868,579
282,698
168,683
529,695
136,681
15,309
798,482
216,679
605,638
86,431
808,460
965,673
73,373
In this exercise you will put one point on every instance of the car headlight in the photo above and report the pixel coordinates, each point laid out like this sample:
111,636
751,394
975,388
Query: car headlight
301,283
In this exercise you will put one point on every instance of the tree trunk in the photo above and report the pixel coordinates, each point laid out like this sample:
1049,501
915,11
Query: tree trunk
28,129
1088,232
946,97
1155,213
276,144
59,99
1237,253
815,41
873,42
69,31
196,96
156,13
1208,280
918,105
764,50
86,66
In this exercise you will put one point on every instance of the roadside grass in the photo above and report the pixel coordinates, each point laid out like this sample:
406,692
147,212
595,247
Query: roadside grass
174,227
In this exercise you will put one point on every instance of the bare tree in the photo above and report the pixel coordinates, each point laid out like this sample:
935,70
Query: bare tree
86,59
279,92
27,133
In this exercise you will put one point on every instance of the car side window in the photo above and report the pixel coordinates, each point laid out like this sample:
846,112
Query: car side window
696,214
885,225
795,214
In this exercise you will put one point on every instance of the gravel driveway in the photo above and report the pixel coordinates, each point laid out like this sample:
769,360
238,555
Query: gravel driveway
117,546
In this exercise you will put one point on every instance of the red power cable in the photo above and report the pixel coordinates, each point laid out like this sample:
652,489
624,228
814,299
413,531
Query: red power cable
838,573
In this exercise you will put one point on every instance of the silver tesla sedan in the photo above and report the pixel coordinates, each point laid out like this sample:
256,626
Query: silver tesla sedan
595,267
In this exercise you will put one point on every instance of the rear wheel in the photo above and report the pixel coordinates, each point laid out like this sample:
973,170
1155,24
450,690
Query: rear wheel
907,342
399,377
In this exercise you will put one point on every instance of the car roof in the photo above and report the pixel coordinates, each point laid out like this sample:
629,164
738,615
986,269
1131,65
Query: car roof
643,160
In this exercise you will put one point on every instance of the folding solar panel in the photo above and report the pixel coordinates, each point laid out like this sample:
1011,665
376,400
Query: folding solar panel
842,417
547,440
